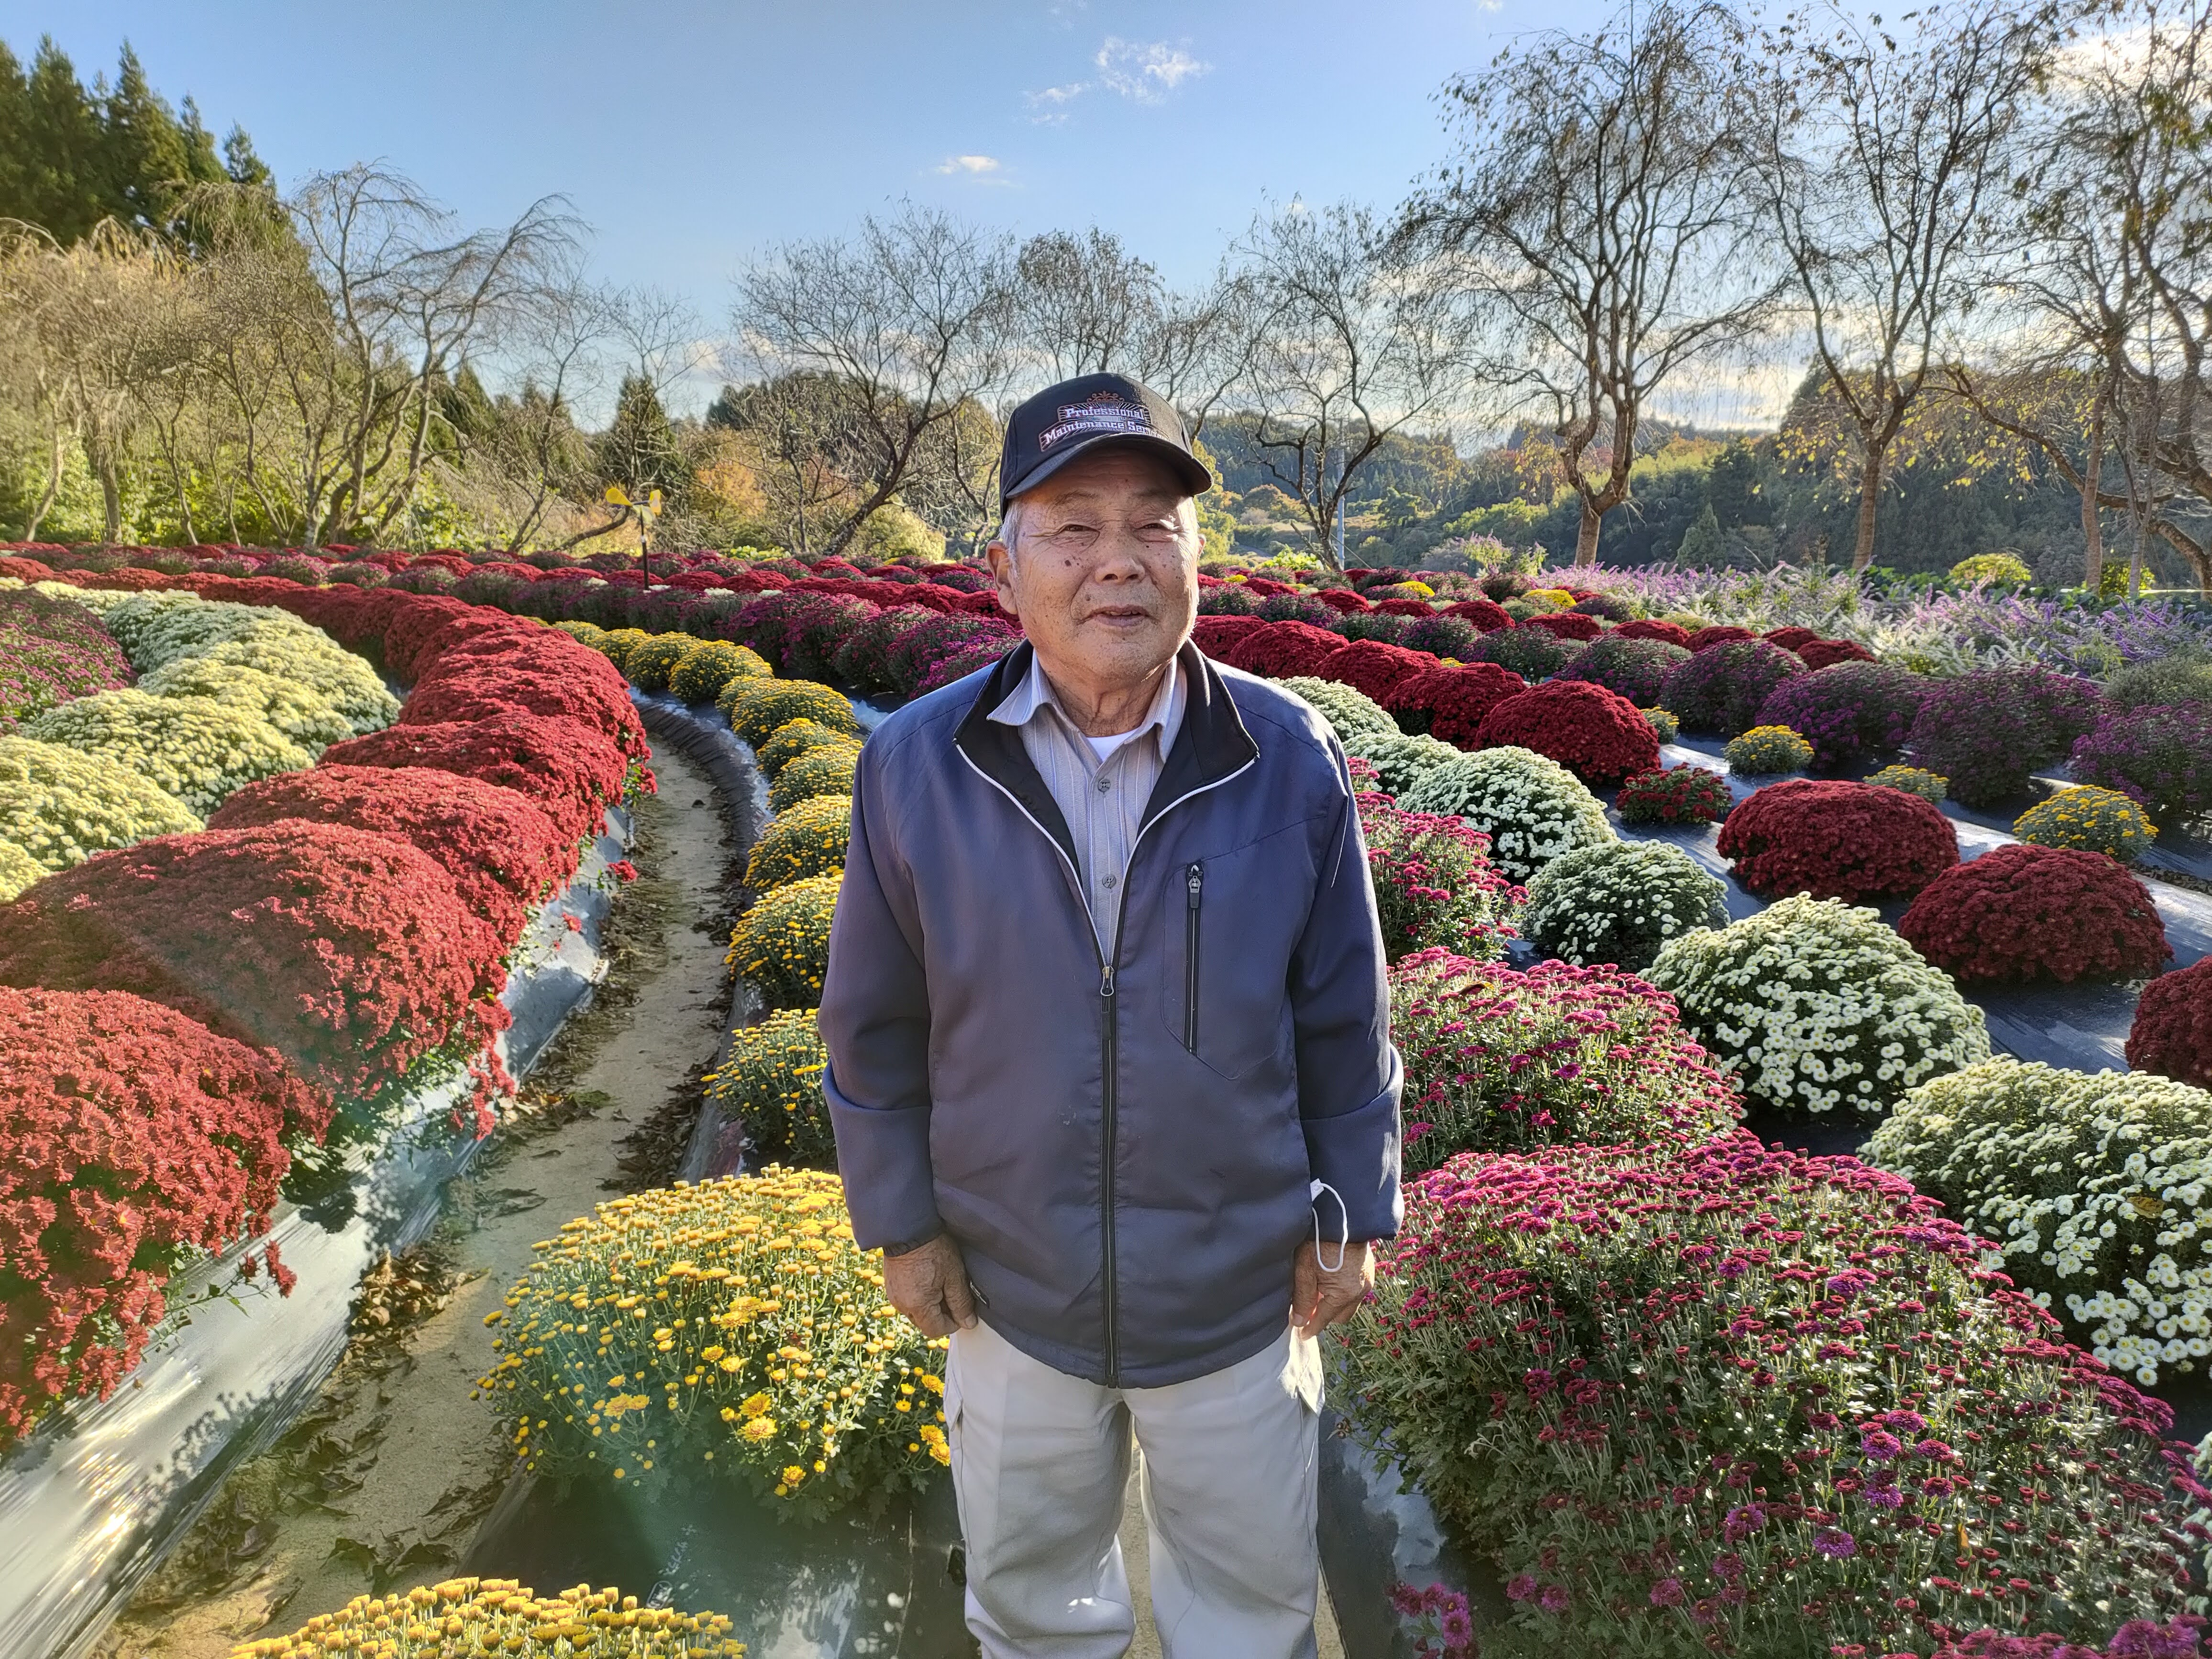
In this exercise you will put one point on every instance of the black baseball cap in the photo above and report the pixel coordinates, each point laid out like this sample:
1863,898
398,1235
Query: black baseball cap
1086,413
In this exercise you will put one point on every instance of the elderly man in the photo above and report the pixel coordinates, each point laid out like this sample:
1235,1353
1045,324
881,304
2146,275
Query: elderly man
1110,1065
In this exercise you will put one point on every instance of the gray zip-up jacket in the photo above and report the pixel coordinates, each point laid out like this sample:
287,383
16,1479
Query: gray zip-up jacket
1123,1150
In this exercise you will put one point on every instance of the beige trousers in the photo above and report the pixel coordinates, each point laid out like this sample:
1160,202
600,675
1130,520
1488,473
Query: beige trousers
1040,1462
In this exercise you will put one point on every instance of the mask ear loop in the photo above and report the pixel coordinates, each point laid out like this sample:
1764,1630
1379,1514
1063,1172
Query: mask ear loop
1344,1216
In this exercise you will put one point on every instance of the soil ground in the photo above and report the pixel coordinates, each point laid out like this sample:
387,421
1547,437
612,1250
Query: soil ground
383,1482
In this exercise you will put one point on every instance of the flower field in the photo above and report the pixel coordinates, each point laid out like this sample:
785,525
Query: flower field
1680,1389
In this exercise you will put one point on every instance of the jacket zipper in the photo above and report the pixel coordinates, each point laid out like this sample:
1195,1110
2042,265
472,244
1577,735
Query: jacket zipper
1193,880
1109,1042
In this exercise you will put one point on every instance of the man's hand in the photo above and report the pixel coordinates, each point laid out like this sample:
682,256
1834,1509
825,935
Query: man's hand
929,1286
1322,1296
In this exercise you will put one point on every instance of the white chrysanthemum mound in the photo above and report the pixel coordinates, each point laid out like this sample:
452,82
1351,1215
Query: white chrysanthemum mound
200,751
18,870
61,806
1620,902
1345,707
1818,1008
300,712
1402,760
1532,809
2097,1190
158,629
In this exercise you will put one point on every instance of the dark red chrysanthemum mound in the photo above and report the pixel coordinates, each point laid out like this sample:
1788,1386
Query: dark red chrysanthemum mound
1282,649
1835,840
550,675
1568,625
1826,654
1598,735
2033,912
348,953
503,853
1720,634
1487,614
129,1135
409,626
1650,627
1405,607
571,772
1216,635
1789,638
1449,704
1680,795
2173,1032
1372,667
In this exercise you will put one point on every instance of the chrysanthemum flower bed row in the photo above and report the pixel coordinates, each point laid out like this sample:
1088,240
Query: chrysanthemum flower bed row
238,995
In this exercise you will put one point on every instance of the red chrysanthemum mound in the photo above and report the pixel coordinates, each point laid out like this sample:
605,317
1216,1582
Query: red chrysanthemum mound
1451,704
348,953
1405,607
1835,840
1487,614
503,853
1718,633
1215,635
355,618
1650,627
2173,1032
1789,638
1281,650
132,1136
2036,913
1680,795
25,570
1568,625
1598,735
409,626
1342,600
571,772
1826,654
527,681
1372,667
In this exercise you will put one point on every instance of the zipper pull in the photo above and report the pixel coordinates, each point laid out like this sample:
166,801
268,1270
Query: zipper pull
1194,879
1106,981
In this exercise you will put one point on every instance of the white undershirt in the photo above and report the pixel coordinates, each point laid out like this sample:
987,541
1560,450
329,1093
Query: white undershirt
1104,747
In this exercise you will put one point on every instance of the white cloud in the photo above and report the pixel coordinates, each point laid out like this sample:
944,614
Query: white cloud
1144,72
1049,107
969,167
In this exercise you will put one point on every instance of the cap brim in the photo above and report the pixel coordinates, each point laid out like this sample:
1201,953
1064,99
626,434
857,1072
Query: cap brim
1187,467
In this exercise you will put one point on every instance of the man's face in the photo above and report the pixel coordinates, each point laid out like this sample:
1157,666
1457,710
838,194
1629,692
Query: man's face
1104,576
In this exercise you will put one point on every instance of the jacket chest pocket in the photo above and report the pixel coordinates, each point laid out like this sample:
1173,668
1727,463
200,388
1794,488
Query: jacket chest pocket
1225,997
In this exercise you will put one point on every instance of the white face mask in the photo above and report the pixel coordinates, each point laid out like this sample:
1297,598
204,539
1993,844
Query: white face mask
1344,1216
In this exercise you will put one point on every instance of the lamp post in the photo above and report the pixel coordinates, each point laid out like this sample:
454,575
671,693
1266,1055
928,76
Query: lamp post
647,510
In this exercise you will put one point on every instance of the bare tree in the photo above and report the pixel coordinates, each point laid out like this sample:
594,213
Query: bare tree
557,352
1598,202
1883,157
1085,304
1352,338
911,319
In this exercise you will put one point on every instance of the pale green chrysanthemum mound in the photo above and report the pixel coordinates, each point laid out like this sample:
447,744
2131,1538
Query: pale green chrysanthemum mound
1403,761
1620,901
311,658
1817,1007
300,712
159,627
1532,808
61,806
18,870
1347,708
200,751
2098,1190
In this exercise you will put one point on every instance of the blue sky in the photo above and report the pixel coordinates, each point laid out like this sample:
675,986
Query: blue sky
690,135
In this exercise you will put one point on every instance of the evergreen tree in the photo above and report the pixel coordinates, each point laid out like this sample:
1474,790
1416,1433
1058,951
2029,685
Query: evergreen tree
639,450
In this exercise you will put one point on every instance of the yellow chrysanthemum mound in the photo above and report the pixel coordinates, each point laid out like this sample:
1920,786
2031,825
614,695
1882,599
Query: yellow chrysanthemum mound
828,770
807,840
62,804
756,707
471,1616
700,673
781,945
300,712
18,870
2093,820
618,642
731,1330
650,663
1765,751
795,737
771,1082
200,751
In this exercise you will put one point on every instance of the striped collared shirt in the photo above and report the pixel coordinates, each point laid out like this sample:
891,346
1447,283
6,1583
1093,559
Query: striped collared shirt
1103,801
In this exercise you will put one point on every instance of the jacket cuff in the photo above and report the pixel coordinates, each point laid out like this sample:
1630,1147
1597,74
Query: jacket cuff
883,1157
1356,1152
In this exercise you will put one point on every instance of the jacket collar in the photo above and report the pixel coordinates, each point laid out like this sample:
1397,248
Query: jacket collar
1213,745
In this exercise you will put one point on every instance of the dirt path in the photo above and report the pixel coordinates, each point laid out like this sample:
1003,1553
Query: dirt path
382,1483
